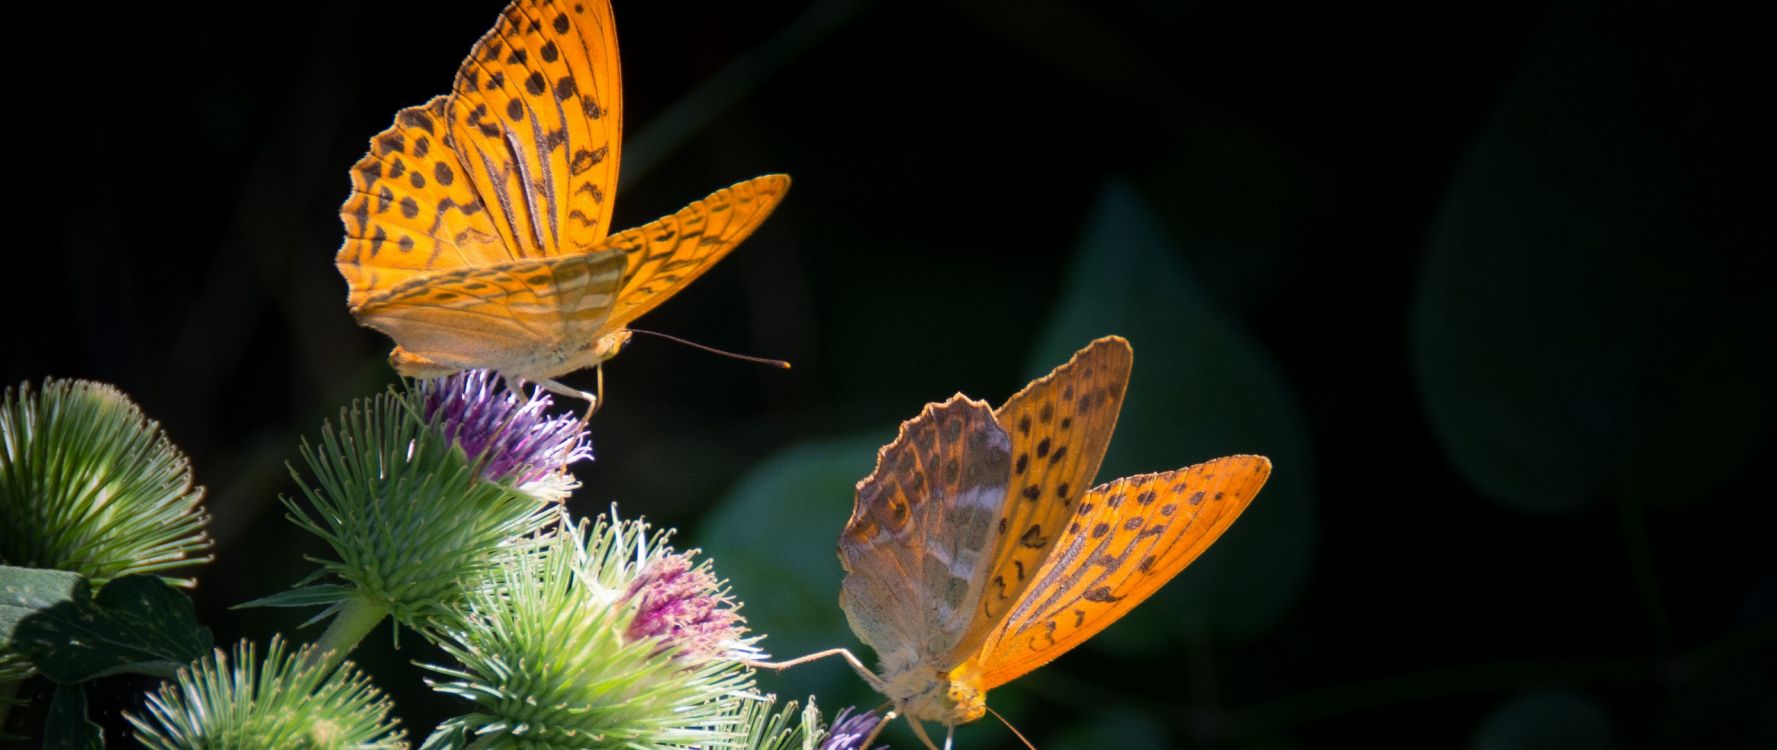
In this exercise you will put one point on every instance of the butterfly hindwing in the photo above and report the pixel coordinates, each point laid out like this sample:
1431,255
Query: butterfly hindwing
536,117
918,538
411,212
1060,426
506,313
665,255
1126,539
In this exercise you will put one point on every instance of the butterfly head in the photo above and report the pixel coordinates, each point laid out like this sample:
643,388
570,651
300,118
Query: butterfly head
607,346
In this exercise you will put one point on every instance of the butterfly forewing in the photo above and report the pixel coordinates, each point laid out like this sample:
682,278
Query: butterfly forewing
412,211
1060,426
1126,539
502,315
919,533
665,255
536,118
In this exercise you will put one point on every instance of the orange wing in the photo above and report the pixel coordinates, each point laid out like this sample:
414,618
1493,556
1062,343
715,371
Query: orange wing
666,254
1127,539
1060,426
504,316
919,533
536,118
520,161
411,210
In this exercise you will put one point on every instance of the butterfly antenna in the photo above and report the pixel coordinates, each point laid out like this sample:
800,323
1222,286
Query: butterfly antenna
1015,732
778,363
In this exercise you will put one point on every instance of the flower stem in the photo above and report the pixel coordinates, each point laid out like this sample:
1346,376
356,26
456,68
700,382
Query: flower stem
354,620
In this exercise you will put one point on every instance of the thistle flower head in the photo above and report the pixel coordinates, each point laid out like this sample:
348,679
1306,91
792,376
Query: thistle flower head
284,701
685,608
412,522
549,658
513,436
90,485
850,730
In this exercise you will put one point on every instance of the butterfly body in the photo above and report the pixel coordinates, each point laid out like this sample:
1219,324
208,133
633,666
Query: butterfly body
924,693
478,229
539,365
975,553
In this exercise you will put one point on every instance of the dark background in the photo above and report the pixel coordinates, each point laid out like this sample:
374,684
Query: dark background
1490,283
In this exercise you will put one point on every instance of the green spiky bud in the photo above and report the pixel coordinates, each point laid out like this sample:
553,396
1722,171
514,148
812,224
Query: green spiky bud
90,485
285,701
549,658
413,520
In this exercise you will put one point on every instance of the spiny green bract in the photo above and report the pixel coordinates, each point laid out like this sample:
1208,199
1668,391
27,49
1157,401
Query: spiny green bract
90,485
547,658
282,702
409,515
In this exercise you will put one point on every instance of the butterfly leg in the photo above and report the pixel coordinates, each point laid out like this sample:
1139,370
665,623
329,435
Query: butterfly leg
863,671
919,731
881,725
592,399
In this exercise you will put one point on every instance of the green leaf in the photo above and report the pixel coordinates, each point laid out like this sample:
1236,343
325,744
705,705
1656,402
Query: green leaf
136,624
66,727
1548,719
775,538
322,595
1589,312
1201,388
27,591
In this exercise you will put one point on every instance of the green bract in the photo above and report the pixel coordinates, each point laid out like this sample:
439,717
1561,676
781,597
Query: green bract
90,485
547,660
281,702
411,519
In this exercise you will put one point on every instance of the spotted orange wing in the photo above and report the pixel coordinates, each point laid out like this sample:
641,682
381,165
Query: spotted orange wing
536,117
665,255
412,211
1060,426
918,536
1126,540
519,162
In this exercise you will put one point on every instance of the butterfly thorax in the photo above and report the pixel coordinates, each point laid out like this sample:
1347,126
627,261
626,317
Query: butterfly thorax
926,693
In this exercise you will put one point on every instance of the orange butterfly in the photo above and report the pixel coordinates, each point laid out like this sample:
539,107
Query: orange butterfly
976,554
478,229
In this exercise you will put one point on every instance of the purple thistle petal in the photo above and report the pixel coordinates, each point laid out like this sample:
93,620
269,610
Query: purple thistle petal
513,435
850,733
683,606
